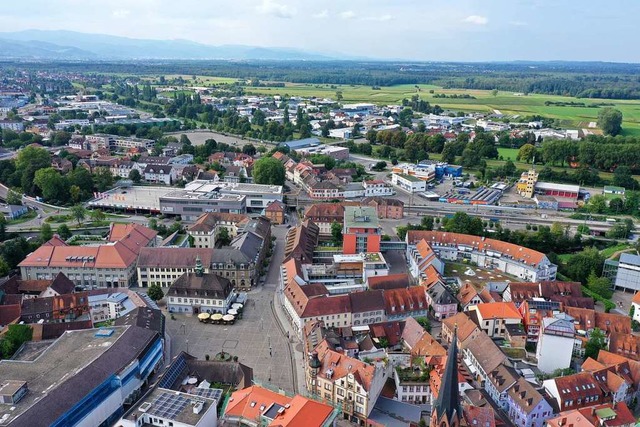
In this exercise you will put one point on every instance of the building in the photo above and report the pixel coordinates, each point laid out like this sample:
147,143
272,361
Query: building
482,356
527,183
335,151
111,264
575,391
441,300
447,411
275,212
13,211
405,302
173,408
555,343
163,266
487,253
424,172
635,304
613,190
627,277
607,415
200,293
498,383
409,183
361,232
256,406
494,317
202,196
325,214
209,225
344,381
82,378
377,188
159,174
302,143
387,208
527,407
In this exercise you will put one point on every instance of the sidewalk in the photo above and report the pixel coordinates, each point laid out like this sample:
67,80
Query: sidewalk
295,346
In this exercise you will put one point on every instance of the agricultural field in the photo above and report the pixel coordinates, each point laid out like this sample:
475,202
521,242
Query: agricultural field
505,102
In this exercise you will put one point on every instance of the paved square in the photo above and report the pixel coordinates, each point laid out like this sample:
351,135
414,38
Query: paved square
256,339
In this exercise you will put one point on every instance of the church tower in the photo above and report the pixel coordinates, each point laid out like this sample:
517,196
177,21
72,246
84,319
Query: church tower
446,412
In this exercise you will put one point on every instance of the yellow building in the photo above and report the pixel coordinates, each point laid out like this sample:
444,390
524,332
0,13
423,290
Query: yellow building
527,183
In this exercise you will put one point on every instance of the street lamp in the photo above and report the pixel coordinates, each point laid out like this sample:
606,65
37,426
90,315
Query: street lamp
187,346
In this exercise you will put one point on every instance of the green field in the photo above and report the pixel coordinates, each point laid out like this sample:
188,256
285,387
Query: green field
508,153
505,102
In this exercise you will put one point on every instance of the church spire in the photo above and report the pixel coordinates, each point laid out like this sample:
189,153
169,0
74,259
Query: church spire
446,411
199,269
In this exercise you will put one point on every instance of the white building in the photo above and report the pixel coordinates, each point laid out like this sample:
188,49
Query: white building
160,174
164,407
555,343
109,306
342,133
377,187
409,183
411,390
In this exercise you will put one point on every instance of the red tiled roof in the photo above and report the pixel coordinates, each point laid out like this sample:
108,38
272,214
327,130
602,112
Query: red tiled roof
519,253
341,365
9,313
398,301
499,310
336,304
627,345
392,281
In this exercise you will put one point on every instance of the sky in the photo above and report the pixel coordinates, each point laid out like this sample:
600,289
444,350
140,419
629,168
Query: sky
420,30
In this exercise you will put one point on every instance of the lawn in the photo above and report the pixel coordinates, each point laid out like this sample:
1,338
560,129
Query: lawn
608,252
508,153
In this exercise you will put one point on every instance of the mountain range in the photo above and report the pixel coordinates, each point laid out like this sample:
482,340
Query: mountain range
71,45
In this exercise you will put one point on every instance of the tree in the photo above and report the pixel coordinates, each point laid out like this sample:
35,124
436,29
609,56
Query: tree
323,159
610,121
103,178
526,153
14,198
336,233
79,213
595,344
14,338
465,224
75,193
45,232
580,265
599,285
52,184
184,140
622,177
223,238
268,170
97,215
135,176
379,166
597,204
494,92
64,232
155,292
29,160
249,149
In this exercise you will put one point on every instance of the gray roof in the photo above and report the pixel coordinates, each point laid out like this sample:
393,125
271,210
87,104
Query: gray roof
204,285
302,143
249,244
90,359
229,254
391,413
441,295
630,259
144,317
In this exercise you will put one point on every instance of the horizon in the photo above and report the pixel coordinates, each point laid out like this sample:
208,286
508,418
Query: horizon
470,31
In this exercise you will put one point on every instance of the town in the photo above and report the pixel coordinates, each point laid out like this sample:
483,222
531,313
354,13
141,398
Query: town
184,249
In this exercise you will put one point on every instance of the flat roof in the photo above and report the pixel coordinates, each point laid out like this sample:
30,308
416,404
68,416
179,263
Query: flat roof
53,375
361,216
136,197
558,187
409,177
172,405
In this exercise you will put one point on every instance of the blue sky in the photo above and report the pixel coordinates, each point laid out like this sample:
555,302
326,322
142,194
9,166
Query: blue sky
438,30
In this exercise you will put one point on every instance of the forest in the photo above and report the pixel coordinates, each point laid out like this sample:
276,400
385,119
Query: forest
578,79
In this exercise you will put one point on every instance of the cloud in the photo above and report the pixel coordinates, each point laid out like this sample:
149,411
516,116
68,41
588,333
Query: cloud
518,23
347,14
121,13
476,20
270,7
381,18
321,15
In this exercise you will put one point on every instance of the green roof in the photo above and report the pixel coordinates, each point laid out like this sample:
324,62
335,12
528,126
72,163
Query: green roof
605,413
361,216
409,177
614,188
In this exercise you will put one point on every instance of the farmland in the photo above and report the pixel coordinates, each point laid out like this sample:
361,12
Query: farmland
505,102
